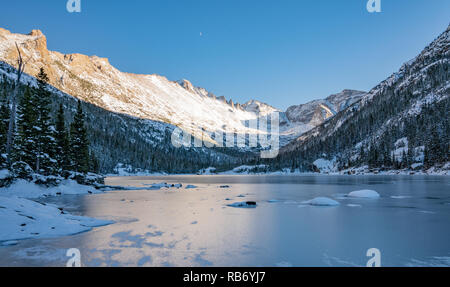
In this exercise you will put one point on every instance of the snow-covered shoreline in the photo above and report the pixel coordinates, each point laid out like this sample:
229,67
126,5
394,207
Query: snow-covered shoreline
23,217
287,172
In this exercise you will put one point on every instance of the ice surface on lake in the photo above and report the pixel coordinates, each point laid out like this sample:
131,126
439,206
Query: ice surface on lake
273,200
156,227
354,205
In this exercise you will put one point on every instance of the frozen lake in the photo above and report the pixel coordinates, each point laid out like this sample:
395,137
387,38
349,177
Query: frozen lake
409,223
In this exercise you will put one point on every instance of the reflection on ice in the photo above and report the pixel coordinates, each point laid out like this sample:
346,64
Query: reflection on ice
195,227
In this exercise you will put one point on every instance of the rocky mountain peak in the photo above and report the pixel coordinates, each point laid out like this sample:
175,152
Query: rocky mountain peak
187,85
36,32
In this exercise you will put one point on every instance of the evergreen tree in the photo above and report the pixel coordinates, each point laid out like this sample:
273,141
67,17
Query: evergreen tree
4,122
45,142
79,144
94,165
62,142
25,149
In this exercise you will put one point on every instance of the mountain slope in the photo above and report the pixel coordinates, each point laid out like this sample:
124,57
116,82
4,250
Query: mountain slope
153,97
96,81
316,112
411,106
117,138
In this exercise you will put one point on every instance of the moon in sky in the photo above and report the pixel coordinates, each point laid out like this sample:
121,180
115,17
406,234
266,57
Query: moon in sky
201,34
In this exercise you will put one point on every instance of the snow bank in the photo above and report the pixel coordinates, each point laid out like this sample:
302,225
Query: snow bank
26,189
245,204
207,171
365,193
324,165
23,218
128,170
321,201
4,173
150,186
249,169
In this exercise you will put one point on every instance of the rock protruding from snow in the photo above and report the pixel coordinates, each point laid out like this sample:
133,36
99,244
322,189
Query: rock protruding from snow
364,193
322,201
245,204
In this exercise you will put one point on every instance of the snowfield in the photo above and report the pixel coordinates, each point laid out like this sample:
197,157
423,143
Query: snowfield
26,189
21,217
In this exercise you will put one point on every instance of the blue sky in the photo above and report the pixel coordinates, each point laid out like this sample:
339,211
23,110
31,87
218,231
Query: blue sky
280,52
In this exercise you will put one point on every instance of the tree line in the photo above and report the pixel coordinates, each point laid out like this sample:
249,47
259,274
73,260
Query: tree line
34,141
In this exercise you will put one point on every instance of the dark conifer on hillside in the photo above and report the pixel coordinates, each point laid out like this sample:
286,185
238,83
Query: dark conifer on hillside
45,142
62,142
4,122
25,148
79,144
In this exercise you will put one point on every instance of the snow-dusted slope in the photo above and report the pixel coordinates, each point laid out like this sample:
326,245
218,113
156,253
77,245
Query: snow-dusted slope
410,105
316,112
153,97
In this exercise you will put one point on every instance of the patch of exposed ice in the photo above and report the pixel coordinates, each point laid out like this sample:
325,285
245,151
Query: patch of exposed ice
283,264
9,243
437,261
427,212
273,201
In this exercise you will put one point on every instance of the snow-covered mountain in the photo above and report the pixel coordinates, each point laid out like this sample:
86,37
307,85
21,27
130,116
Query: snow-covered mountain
153,97
316,112
96,81
410,107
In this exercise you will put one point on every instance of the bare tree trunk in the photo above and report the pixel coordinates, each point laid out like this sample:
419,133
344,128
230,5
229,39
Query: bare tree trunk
12,118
